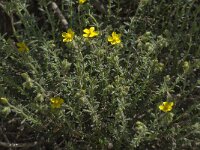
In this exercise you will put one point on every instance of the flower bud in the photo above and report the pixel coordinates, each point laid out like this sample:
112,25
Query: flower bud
25,76
100,53
140,127
80,94
3,100
28,85
186,66
168,118
148,33
6,111
110,145
39,97
66,65
167,78
160,66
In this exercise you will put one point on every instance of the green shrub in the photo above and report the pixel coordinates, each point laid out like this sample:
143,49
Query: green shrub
89,94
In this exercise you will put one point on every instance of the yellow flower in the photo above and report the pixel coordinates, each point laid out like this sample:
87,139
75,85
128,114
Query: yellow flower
90,32
56,102
68,36
82,1
115,38
166,106
22,47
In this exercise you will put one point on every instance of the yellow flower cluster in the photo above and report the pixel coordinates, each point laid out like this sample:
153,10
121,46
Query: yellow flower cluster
68,36
166,106
56,102
22,47
82,1
90,33
115,38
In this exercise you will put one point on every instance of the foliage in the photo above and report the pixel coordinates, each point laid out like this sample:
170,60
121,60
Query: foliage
105,96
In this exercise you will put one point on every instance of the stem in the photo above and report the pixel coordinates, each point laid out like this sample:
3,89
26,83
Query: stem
109,9
51,22
19,111
96,23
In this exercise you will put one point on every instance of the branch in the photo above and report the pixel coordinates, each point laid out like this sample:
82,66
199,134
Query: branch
99,6
5,137
17,145
60,15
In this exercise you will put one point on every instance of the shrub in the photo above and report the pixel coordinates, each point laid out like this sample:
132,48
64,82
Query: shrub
102,78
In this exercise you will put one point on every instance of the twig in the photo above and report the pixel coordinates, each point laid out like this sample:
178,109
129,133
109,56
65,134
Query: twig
60,15
17,145
5,137
1,5
10,16
99,6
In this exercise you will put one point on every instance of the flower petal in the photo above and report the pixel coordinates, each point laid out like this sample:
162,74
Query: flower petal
86,31
114,34
65,40
171,104
161,107
20,44
86,35
92,29
93,34
117,40
64,34
110,39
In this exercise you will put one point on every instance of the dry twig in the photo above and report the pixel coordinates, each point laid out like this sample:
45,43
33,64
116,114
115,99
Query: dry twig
60,15
18,145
